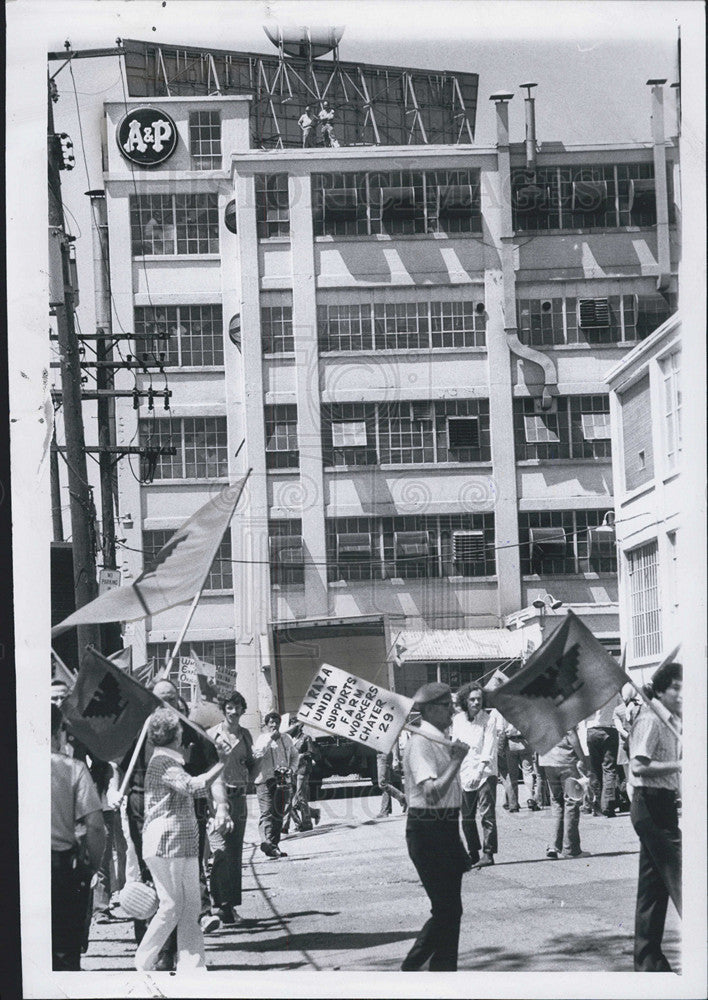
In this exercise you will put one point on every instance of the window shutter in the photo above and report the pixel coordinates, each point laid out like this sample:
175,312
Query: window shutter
467,546
593,313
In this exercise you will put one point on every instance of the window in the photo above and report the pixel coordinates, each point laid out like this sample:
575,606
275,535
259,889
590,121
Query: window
187,336
272,205
277,329
611,319
174,224
671,372
220,575
583,197
201,443
205,140
575,427
281,437
401,326
645,611
410,547
406,433
564,542
287,563
402,202
410,433
349,434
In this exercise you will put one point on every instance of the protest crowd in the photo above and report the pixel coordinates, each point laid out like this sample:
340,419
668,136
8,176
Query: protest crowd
157,835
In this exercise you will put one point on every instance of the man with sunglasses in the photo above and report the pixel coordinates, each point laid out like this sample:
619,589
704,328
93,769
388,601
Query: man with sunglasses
431,765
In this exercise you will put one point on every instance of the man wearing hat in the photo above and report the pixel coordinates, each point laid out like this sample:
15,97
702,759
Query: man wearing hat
431,765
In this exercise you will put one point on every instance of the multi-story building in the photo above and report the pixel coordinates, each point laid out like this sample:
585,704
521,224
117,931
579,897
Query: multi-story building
645,401
405,338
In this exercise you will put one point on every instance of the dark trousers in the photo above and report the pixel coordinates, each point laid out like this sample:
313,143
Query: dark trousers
435,848
655,819
603,743
225,882
272,800
70,903
484,798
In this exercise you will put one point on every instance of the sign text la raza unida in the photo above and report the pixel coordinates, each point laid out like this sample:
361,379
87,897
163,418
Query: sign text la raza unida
341,704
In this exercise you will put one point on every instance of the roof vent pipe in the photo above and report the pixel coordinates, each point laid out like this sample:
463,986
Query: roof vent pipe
530,127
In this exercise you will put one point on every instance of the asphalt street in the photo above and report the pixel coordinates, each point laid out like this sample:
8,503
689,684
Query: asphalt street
348,898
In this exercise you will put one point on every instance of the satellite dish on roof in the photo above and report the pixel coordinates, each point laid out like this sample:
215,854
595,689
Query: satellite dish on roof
302,40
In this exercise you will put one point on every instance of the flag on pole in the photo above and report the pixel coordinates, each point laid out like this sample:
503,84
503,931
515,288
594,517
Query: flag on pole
106,708
202,667
145,675
181,566
564,681
123,658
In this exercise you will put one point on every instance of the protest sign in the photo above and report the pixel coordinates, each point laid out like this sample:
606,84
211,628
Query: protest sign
342,704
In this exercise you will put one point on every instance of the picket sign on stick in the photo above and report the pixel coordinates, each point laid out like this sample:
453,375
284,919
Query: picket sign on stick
69,675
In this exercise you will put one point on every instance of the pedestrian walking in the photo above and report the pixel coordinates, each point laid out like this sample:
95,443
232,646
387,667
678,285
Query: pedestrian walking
235,746
274,753
170,843
623,717
308,125
655,785
603,743
389,777
479,773
431,766
326,118
565,761
519,764
78,839
302,813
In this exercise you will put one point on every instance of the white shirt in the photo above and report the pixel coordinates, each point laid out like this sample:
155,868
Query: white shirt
423,759
273,753
482,736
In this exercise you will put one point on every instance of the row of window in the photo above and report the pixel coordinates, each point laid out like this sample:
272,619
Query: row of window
394,203
557,543
191,335
220,576
396,433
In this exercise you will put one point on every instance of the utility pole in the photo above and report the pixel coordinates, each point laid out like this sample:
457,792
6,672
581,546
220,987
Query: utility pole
81,502
104,374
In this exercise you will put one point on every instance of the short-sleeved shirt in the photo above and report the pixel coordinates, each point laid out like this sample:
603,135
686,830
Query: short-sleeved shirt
170,826
74,796
239,762
427,758
650,738
603,718
482,736
561,755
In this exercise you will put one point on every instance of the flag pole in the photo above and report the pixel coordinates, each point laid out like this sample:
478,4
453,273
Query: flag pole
69,675
193,607
133,760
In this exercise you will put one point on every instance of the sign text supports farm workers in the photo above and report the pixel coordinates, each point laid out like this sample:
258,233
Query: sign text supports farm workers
339,703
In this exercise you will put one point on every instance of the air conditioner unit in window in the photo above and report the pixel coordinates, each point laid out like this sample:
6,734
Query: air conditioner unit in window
411,544
341,203
601,542
589,196
455,199
540,410
462,432
467,546
547,541
286,550
423,411
354,546
398,201
642,195
593,314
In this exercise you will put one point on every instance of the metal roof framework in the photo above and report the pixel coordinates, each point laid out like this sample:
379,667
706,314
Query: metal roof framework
374,105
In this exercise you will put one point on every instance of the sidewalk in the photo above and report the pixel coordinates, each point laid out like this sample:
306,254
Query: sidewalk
347,897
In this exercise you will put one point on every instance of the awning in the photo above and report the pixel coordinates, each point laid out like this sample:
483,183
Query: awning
435,645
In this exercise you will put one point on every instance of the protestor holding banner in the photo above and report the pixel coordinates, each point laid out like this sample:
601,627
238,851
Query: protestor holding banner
655,783
431,767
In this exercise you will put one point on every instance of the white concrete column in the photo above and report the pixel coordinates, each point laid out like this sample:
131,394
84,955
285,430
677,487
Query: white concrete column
307,385
660,182
500,303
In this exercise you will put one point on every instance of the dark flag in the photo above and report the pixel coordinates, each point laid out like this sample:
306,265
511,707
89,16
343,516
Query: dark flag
106,708
564,681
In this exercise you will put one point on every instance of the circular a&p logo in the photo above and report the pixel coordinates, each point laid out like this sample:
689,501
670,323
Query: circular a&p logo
147,136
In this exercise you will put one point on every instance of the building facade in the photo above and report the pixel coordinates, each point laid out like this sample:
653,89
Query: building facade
647,449
407,345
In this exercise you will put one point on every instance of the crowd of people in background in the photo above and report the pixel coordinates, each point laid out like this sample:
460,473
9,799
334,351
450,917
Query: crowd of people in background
177,830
